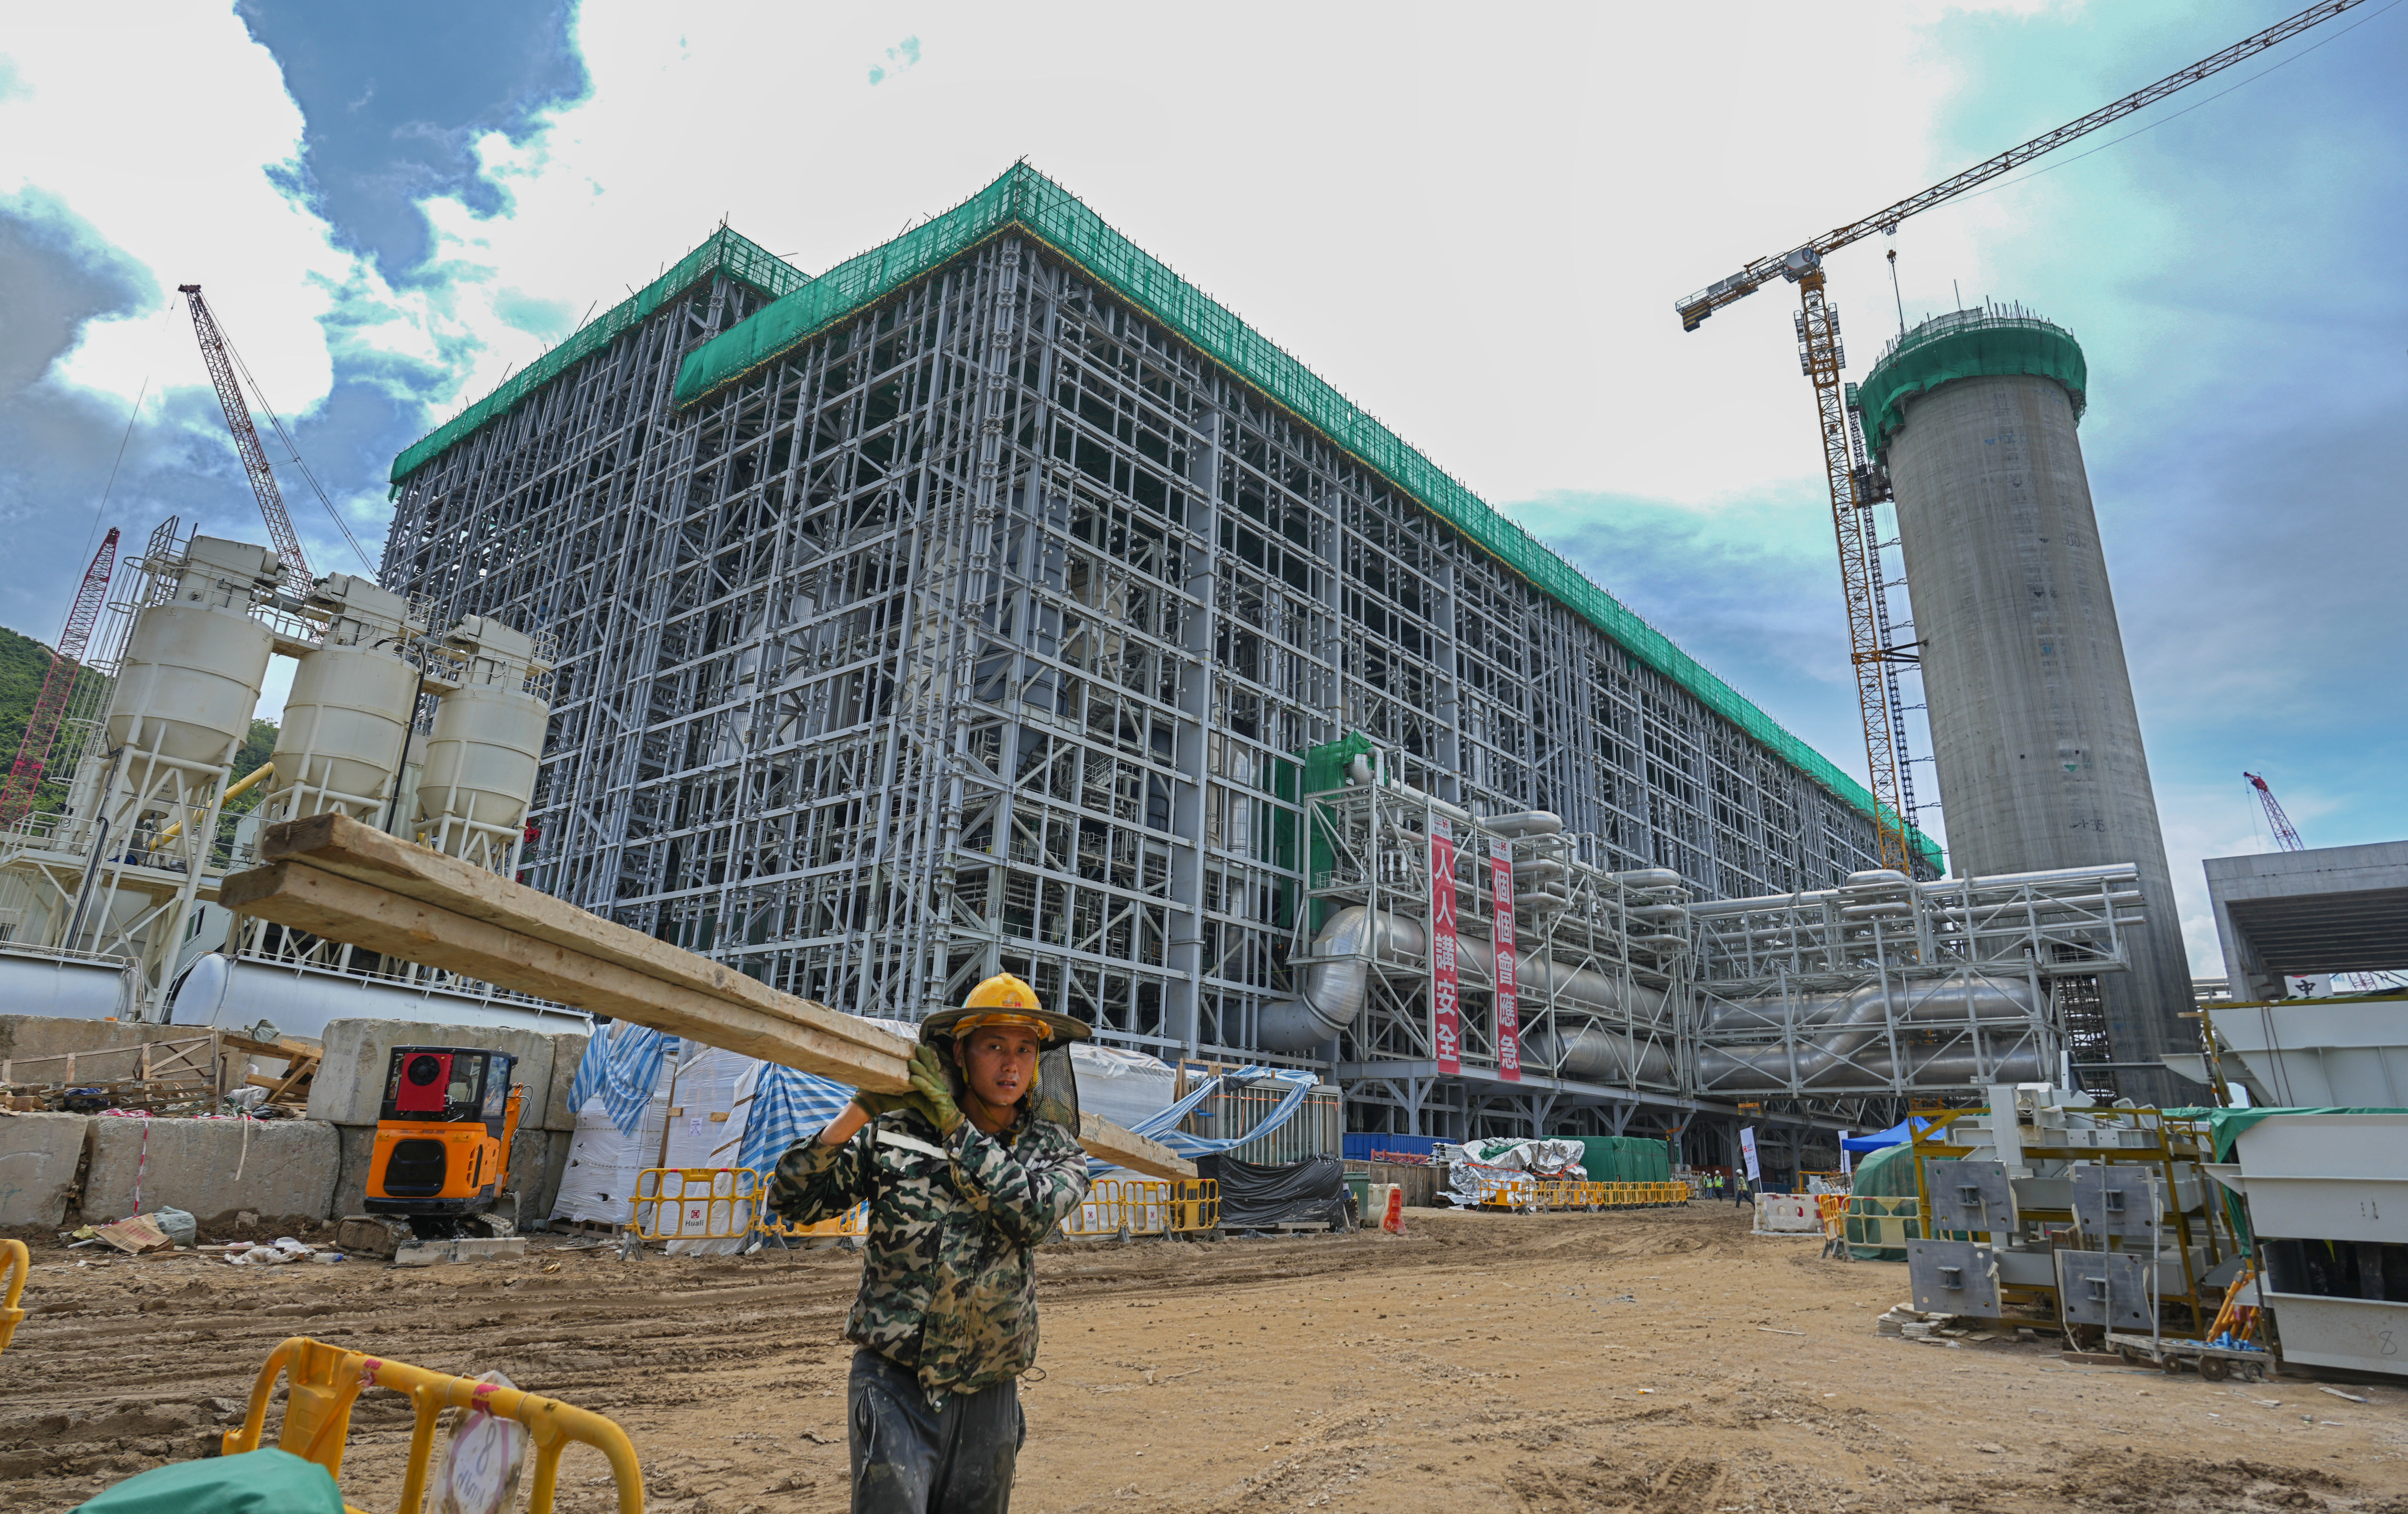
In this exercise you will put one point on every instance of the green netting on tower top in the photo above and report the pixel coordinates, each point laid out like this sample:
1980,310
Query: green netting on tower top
1965,345
724,252
1026,201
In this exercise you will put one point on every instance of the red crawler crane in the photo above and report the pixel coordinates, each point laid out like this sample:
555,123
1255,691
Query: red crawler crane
58,685
2288,840
2285,837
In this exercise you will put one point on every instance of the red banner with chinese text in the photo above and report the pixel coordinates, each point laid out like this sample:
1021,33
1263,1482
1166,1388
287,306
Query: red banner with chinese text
1509,1006
1446,1027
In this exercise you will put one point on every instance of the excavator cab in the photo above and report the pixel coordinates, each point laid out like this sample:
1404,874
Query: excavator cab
443,1136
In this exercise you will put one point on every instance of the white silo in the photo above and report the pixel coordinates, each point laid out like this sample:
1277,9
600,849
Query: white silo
481,759
354,692
196,657
2033,728
145,804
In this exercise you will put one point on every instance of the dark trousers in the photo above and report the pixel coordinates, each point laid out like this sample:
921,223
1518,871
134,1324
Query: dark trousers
908,1458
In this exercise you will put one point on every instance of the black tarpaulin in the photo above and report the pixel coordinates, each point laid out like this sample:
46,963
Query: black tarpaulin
1312,1190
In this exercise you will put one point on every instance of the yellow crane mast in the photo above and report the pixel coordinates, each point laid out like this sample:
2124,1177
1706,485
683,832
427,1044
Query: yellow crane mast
1821,357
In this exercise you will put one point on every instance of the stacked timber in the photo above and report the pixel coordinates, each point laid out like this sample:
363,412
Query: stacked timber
338,879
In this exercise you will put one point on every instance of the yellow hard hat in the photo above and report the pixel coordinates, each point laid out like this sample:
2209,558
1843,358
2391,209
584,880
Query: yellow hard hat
1002,991
1004,1000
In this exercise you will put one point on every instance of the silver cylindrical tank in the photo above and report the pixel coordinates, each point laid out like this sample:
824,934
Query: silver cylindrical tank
2033,730
231,994
194,665
481,759
349,714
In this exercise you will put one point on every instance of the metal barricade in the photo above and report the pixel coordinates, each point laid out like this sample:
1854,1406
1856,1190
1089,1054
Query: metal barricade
322,1382
16,1262
1883,1224
694,1203
1195,1204
1100,1213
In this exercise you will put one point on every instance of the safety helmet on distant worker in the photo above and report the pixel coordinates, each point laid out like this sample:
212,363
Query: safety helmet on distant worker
1004,1000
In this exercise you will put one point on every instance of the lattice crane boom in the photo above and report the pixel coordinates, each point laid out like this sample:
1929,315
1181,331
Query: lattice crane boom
246,436
1795,264
2285,837
1821,357
58,686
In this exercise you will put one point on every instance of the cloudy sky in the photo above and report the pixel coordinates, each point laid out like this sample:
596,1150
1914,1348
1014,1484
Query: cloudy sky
1473,221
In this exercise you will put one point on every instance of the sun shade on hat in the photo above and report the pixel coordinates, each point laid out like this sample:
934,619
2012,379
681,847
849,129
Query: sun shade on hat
1004,1000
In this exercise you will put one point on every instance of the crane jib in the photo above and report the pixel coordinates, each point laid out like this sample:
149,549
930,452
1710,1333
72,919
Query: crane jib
1696,308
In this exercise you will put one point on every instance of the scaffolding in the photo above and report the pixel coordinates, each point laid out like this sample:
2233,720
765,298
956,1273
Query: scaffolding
982,619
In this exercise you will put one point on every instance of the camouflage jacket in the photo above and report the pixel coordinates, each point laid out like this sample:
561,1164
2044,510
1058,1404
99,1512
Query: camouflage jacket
948,1285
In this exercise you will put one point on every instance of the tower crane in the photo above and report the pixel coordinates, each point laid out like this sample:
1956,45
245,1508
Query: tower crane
58,686
1854,489
246,436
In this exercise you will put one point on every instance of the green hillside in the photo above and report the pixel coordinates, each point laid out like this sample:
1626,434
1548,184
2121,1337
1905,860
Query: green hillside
24,664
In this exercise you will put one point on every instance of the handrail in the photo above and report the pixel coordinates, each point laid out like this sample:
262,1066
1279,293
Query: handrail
326,1381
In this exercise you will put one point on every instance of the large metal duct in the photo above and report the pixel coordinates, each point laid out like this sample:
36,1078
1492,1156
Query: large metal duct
1840,1036
1333,993
2033,730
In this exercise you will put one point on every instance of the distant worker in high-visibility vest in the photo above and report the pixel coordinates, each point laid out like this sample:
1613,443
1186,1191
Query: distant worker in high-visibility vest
963,1178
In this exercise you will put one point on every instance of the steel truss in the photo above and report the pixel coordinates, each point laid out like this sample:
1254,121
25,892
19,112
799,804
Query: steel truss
985,630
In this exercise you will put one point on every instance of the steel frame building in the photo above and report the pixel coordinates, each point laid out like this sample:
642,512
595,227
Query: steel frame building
971,608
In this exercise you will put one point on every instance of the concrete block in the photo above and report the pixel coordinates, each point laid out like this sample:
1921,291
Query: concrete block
568,1051
467,1248
39,1157
350,1085
213,1168
104,1049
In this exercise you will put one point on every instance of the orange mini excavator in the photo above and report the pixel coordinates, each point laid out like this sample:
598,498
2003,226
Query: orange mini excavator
442,1155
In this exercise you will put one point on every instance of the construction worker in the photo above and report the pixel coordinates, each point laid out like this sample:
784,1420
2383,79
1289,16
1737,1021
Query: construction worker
963,1178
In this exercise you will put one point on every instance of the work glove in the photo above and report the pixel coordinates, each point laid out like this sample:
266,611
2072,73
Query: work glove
875,1104
931,1094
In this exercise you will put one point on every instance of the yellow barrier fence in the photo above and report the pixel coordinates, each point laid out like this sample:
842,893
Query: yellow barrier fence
16,1262
1136,1206
1883,1223
1531,1194
322,1382
696,1204
1833,1210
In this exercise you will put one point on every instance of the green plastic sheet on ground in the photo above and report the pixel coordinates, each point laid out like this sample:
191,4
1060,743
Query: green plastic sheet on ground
264,1481
724,252
1887,1175
1965,345
1626,1158
2226,1126
1026,201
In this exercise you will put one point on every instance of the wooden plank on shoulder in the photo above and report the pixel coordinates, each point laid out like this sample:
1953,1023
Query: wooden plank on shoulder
339,845
1123,1147
345,909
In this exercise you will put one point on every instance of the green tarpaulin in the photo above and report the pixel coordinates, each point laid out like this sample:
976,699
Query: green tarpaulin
264,1481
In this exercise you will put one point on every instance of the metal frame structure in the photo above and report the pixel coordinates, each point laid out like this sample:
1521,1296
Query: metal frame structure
985,629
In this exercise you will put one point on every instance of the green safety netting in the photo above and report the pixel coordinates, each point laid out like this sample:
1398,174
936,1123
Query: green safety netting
1027,202
1964,344
1625,1159
724,252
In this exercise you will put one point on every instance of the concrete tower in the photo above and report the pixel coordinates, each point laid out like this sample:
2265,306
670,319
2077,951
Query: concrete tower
2032,725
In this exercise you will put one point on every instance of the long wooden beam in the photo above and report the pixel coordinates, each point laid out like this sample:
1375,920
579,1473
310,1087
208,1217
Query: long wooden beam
340,880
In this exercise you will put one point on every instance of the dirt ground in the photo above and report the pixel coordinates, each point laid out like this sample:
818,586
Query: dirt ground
1654,1359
